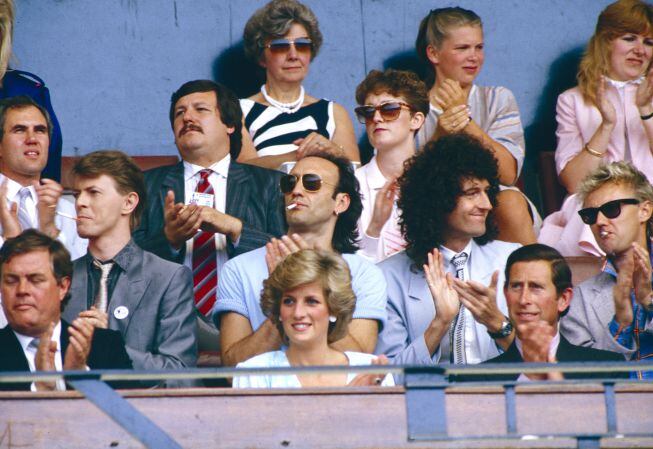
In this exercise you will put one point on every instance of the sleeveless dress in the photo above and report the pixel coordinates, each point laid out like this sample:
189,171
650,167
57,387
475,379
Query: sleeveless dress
274,131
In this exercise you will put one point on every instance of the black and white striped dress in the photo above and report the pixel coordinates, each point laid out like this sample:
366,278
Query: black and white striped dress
273,131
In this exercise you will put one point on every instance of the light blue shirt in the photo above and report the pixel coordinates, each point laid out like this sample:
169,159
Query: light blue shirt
241,280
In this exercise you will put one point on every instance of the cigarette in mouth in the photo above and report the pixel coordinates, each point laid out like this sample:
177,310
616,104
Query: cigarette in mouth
66,215
291,206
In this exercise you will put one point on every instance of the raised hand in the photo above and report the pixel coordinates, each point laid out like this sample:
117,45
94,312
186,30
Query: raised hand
316,143
536,338
48,193
481,301
96,317
79,344
8,214
383,205
44,359
450,94
641,275
644,94
276,250
454,119
180,222
623,309
605,106
440,285
370,379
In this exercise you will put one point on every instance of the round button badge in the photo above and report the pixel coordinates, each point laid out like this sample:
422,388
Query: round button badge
121,312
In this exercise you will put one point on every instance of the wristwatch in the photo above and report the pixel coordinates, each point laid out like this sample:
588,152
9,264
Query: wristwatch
506,329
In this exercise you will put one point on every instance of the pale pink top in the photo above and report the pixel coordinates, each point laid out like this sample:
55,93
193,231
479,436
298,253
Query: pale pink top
578,121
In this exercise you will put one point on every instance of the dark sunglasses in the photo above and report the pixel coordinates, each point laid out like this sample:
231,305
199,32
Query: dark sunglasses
611,209
302,45
310,181
389,111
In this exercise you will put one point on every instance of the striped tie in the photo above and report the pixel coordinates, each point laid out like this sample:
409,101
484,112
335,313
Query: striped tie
458,327
205,265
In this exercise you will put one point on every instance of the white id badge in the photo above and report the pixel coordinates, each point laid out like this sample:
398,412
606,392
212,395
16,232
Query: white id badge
202,199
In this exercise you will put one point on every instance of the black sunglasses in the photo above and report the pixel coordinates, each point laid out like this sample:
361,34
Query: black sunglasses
389,111
611,209
310,181
302,45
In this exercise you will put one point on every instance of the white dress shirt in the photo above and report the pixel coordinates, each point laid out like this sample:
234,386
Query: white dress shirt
30,354
472,350
67,227
218,180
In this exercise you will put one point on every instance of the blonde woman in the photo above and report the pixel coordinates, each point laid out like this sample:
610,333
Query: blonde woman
608,117
309,298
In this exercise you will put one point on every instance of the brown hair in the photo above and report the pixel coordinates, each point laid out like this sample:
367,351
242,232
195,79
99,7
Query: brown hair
619,18
306,266
119,167
398,83
7,12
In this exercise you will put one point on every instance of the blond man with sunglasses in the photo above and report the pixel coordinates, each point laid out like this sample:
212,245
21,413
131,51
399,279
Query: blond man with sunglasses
322,204
614,309
393,105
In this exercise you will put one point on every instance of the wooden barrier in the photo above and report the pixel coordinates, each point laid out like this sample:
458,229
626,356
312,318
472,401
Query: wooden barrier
353,418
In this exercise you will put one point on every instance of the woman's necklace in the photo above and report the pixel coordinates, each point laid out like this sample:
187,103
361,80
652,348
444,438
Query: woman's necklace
288,108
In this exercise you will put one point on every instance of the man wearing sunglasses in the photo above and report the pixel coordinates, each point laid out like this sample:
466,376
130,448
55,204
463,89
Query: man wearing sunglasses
443,302
322,208
614,309
208,207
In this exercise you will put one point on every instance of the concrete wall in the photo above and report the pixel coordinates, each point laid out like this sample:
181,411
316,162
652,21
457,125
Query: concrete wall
111,65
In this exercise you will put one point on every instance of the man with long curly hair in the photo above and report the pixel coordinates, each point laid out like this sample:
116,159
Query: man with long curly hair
443,301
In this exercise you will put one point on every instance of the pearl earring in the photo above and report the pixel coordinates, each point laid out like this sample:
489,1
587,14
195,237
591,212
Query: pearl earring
332,319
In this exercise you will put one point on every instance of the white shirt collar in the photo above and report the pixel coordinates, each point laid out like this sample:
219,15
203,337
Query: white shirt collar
25,340
375,178
221,168
622,84
449,254
13,188
553,349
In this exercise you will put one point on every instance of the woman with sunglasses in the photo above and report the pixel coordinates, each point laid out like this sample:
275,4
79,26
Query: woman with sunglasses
284,122
392,108
608,117
450,41
309,298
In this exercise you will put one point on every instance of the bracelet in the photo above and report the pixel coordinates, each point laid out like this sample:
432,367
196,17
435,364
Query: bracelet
593,152
647,116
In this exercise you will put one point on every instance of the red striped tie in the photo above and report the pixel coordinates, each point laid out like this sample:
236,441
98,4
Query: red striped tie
205,265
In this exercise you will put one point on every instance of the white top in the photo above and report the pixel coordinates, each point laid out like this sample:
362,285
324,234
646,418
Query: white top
67,227
277,359
472,349
218,180
376,249
30,353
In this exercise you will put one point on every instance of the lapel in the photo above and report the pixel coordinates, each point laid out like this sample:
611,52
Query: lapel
78,289
63,340
237,180
129,289
420,308
12,357
601,298
174,180
512,355
566,351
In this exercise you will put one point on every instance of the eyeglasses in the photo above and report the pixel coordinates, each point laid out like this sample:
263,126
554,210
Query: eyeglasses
310,181
301,44
389,111
611,209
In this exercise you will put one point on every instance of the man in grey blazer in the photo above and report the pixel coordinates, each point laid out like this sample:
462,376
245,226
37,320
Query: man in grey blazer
116,284
443,302
614,309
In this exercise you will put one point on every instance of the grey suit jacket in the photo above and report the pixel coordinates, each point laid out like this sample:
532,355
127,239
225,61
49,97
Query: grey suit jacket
253,196
590,313
411,308
160,327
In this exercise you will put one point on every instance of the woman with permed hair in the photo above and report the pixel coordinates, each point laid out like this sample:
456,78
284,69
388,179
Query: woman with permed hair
309,298
607,118
284,123
450,41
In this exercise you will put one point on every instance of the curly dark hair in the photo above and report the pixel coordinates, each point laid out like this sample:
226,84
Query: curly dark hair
431,185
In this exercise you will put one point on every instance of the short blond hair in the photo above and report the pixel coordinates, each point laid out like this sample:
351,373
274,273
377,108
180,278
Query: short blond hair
304,267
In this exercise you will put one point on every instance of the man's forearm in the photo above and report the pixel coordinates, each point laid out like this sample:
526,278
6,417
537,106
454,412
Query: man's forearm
266,338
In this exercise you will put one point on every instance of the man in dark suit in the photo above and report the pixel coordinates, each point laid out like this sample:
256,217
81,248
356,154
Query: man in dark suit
35,275
239,205
117,284
538,292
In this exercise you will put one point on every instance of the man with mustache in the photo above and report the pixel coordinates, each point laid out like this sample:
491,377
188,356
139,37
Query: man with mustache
208,207
614,309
